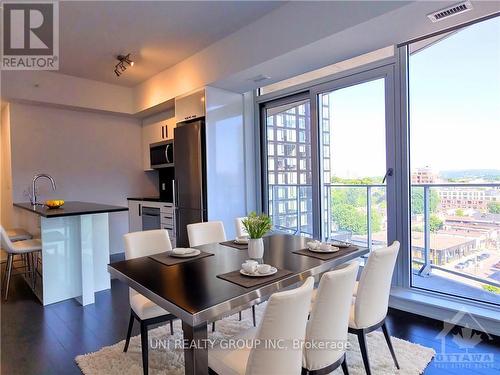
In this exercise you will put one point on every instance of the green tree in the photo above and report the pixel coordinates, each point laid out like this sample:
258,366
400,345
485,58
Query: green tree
459,212
494,207
435,223
353,219
417,200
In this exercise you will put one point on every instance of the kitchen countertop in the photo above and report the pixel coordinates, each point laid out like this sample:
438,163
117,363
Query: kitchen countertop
70,209
148,199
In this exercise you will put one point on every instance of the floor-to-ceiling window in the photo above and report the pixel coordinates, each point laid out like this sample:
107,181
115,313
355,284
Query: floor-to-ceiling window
454,117
353,155
325,158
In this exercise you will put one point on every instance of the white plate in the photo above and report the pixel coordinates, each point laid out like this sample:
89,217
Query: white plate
340,244
324,251
257,274
193,253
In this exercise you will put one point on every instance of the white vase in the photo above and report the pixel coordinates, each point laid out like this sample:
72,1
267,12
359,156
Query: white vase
255,248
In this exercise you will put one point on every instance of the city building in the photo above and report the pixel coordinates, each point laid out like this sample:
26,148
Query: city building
423,175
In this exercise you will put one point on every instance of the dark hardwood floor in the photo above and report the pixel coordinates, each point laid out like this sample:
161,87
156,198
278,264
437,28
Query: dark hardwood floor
38,340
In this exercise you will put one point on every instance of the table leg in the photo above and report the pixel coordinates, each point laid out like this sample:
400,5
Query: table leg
195,358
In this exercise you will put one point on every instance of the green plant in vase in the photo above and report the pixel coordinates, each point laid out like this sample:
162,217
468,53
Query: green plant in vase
256,226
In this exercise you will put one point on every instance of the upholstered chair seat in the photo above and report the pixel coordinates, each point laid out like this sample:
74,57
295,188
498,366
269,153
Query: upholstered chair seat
28,249
328,321
205,233
140,244
18,234
369,308
284,320
240,229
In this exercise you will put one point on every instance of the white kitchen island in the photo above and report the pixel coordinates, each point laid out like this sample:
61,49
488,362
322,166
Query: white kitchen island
75,250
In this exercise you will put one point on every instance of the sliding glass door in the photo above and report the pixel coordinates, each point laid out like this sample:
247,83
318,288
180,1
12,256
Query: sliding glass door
354,162
328,159
454,96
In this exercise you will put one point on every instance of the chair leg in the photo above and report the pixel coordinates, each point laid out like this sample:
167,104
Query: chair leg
129,331
239,315
8,271
389,344
4,273
253,316
144,348
172,327
364,350
344,367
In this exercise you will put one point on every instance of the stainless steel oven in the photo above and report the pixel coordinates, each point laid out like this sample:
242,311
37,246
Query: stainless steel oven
162,154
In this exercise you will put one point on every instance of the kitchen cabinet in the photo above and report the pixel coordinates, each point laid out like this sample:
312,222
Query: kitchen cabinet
134,216
167,218
154,132
190,106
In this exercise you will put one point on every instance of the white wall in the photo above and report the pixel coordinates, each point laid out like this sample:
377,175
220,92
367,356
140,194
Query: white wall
64,90
92,157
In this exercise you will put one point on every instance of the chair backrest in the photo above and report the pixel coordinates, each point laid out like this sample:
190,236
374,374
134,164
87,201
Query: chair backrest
240,229
372,298
141,244
204,233
283,322
5,241
329,319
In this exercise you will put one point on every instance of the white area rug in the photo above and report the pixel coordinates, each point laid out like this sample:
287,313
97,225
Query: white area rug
111,360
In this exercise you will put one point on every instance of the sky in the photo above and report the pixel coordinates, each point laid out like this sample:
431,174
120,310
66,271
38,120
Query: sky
454,109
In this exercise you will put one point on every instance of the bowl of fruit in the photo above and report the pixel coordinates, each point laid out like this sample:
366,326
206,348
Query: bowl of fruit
55,203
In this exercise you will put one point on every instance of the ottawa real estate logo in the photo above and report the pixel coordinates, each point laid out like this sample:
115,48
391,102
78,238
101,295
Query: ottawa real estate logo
30,39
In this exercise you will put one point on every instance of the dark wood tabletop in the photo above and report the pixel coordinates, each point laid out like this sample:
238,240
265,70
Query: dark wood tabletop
193,292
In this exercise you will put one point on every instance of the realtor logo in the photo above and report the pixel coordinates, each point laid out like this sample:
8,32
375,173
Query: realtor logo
30,36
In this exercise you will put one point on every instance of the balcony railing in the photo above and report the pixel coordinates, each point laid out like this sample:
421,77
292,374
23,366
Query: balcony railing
427,264
288,216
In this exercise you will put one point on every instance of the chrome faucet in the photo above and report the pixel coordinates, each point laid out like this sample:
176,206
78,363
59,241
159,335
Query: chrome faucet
33,186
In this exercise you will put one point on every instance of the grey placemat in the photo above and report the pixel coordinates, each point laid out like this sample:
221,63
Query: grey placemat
236,277
242,246
327,256
168,260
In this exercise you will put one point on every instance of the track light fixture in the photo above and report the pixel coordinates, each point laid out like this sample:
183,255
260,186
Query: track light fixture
122,61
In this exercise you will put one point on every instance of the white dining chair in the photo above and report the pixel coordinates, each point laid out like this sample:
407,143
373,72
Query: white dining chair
283,323
205,233
146,312
240,228
369,309
328,321
29,248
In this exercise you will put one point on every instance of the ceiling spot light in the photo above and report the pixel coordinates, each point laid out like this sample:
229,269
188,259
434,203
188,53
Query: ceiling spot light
123,61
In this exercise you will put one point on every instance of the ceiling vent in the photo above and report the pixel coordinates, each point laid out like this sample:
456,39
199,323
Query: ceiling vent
450,11
259,78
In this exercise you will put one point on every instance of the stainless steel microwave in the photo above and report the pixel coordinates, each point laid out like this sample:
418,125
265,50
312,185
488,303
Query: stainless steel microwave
162,154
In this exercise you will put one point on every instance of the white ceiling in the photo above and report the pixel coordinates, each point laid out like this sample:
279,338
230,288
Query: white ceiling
158,34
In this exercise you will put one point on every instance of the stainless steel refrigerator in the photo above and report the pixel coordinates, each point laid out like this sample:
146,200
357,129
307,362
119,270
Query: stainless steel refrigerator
190,177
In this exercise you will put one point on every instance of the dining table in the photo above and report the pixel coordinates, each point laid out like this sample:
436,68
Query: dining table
193,292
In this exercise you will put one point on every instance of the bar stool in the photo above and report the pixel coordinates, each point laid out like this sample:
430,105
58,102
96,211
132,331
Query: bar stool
22,247
18,234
